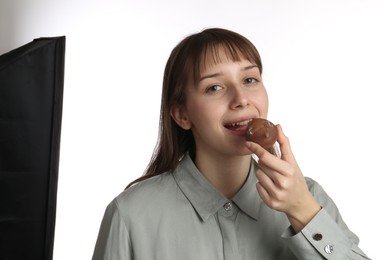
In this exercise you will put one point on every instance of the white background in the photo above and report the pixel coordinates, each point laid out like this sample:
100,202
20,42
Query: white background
326,68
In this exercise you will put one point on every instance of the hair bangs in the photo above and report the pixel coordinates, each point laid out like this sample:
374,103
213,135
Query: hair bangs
217,50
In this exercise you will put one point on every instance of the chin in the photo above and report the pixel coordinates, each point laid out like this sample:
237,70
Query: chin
244,152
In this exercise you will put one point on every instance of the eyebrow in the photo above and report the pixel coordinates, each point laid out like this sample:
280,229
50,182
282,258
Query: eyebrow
220,73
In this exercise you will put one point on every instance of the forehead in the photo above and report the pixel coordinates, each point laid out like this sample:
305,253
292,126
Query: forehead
215,55
203,56
226,67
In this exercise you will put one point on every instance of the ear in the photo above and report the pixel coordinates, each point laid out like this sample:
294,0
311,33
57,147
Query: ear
179,114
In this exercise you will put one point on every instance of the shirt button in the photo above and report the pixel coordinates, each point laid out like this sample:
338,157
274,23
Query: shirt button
228,206
317,236
328,249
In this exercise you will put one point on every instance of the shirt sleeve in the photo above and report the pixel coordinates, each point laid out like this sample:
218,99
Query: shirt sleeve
113,241
326,236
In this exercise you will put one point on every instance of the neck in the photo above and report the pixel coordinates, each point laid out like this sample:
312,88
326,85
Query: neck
227,175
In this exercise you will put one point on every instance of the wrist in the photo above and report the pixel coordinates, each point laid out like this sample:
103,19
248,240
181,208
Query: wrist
301,217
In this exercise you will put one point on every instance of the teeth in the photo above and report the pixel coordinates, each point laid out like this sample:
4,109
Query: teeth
241,123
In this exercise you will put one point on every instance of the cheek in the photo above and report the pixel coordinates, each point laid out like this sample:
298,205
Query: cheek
261,102
196,111
265,104
205,114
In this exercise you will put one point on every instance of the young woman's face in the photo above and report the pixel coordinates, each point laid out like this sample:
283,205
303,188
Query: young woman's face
219,106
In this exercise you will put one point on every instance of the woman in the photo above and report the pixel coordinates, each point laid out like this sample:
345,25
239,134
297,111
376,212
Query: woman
203,196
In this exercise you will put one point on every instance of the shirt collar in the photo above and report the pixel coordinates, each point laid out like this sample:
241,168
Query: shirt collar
247,198
206,200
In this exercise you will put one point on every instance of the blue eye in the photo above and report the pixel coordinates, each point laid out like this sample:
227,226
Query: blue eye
250,80
214,88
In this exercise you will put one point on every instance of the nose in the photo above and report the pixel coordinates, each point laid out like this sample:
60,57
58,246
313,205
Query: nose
239,98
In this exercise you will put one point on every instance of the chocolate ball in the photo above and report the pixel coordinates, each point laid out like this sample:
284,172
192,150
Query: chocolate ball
262,132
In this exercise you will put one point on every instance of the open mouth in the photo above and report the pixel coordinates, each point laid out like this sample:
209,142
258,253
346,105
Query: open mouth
238,125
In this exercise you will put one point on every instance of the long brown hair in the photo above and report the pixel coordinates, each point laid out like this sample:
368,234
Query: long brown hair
183,67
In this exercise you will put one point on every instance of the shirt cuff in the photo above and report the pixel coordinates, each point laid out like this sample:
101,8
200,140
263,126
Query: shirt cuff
320,238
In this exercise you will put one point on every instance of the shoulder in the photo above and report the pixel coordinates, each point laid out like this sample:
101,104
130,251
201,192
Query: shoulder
312,184
317,190
314,187
148,196
153,187
321,195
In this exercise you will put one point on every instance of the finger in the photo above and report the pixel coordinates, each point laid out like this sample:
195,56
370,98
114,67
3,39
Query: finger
264,156
285,147
256,148
263,193
266,181
267,161
266,196
277,179
265,170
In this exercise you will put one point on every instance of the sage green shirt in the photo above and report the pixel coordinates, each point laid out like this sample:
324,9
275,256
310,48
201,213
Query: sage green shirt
181,216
